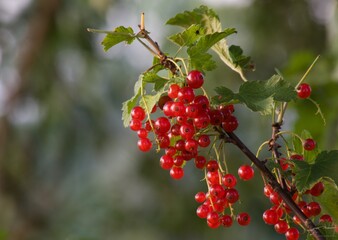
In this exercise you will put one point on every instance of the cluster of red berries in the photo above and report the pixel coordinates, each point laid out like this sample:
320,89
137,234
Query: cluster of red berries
179,131
221,195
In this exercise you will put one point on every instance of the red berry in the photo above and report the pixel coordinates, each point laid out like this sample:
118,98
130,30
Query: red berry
176,173
226,220
163,140
216,117
162,125
138,113
283,164
229,180
267,190
309,144
192,110
203,140
170,151
317,189
275,198
202,101
200,197
270,217
314,208
163,100
166,162
232,195
167,109
304,90
230,124
202,121
325,218
186,94
135,124
243,219
200,162
142,133
195,79
213,177
212,166
214,225
281,226
213,217
202,211
292,234
173,90
144,144
191,145
178,160
147,125
177,109
217,190
187,131
245,172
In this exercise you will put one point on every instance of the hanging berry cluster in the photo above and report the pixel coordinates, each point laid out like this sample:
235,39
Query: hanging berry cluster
181,121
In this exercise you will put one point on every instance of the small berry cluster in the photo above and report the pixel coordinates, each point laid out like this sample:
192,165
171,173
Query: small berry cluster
280,214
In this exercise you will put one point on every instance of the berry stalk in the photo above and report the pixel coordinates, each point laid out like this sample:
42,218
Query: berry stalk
284,194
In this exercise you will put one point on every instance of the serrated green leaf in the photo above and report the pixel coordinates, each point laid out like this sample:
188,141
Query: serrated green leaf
237,57
328,200
127,106
224,95
202,61
158,81
120,34
189,36
307,174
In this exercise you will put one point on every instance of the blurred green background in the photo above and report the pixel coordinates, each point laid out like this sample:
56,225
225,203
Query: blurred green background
68,168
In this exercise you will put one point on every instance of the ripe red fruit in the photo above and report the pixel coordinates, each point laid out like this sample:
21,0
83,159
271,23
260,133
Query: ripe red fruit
166,162
163,140
176,172
142,133
186,94
275,198
173,90
217,191
162,125
229,180
177,109
314,208
135,124
226,220
309,144
245,172
317,189
213,177
203,140
216,117
187,131
292,234
200,162
230,124
267,190
144,144
191,145
202,121
195,79
281,226
325,218
138,113
178,160
270,217
212,165
192,110
202,101
232,195
213,217
243,219
163,100
304,90
200,197
202,211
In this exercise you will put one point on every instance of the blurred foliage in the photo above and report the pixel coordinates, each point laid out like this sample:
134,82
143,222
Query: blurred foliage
68,168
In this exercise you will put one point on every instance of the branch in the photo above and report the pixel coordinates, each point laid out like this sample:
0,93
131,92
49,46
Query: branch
283,193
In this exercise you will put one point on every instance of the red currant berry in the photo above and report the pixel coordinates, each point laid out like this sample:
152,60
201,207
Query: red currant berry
230,124
166,162
177,109
202,101
309,144
213,177
202,121
297,157
203,140
232,195
147,125
167,109
135,124
229,180
191,145
283,164
162,125
187,131
163,100
186,94
144,144
163,140
178,160
142,133
304,90
281,227
226,220
192,110
217,191
138,113
243,219
292,234
216,117
275,198
278,209
213,217
200,162
314,208
202,211
212,166
170,151
195,79
173,90
270,217
200,197
267,190
176,173
317,189
245,172
325,218
214,225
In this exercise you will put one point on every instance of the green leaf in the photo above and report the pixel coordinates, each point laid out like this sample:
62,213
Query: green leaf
158,81
329,198
127,106
120,34
225,95
189,36
297,145
188,18
237,57
307,174
327,230
149,101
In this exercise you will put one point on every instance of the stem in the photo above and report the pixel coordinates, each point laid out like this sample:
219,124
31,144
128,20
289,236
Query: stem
283,193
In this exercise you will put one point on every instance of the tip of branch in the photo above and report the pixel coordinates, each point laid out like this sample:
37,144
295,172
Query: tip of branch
142,27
